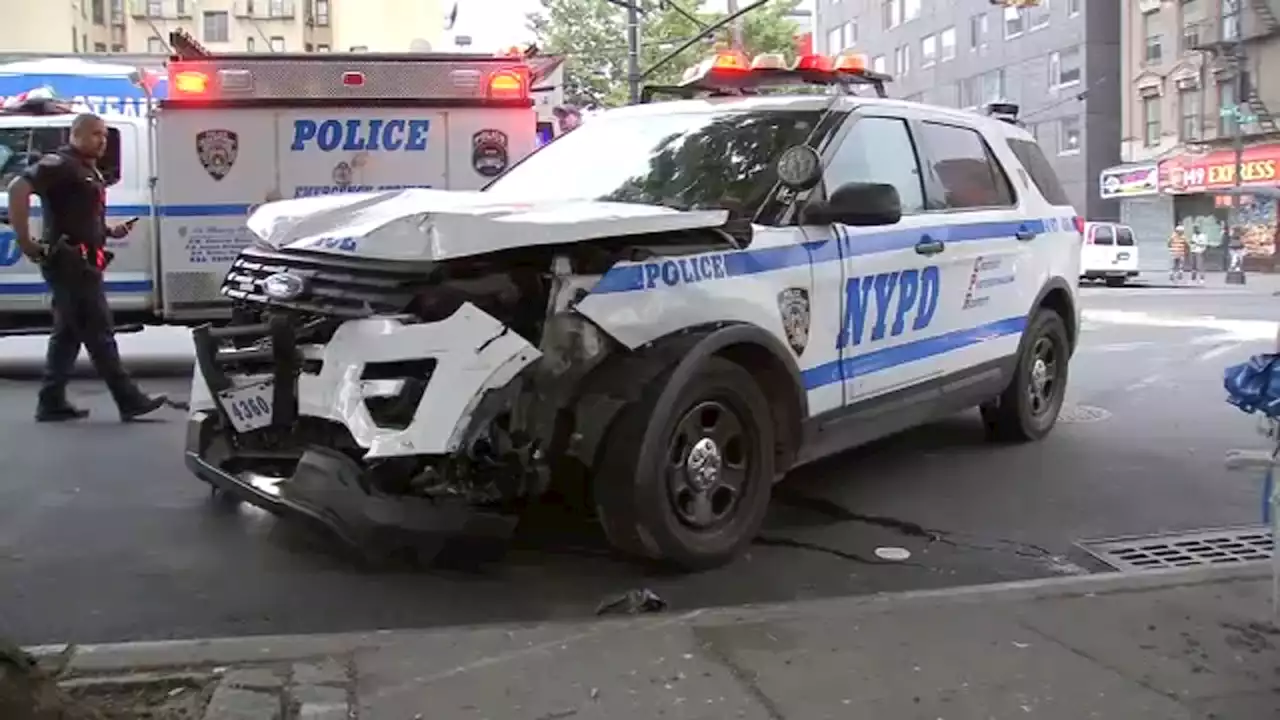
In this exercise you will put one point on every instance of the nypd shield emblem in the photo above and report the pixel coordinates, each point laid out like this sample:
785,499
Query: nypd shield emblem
793,305
489,152
217,150
342,175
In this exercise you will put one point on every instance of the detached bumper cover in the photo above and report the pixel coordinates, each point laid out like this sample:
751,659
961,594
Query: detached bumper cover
326,492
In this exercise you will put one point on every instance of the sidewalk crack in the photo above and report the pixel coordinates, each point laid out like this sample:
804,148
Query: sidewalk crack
746,678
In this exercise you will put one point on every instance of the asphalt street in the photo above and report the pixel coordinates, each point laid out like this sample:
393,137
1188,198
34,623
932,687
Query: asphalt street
105,537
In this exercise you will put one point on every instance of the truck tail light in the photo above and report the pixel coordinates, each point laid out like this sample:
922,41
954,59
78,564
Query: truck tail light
1080,229
507,84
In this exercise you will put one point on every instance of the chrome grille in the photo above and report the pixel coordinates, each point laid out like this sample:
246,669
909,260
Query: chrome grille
332,286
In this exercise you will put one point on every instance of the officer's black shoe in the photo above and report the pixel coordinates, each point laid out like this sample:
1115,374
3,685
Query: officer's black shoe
142,405
62,412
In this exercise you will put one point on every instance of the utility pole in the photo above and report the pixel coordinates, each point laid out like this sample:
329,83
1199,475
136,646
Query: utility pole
633,51
1236,276
735,30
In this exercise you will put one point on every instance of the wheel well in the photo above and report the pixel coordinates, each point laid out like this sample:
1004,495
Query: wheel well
777,382
1059,301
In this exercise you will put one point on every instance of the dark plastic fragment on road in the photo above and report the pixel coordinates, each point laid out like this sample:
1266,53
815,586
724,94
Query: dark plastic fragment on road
633,602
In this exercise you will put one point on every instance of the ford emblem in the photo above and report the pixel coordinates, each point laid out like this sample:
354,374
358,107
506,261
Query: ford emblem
283,286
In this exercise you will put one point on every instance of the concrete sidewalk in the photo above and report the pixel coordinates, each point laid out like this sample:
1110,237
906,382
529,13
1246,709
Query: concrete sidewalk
155,351
1160,645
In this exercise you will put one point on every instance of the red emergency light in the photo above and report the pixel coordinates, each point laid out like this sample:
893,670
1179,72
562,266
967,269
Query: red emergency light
189,82
732,62
353,79
510,83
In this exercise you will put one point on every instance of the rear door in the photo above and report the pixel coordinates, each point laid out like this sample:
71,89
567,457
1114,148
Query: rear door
1126,258
1100,248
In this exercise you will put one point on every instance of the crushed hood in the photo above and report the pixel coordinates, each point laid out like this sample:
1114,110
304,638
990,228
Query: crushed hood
433,225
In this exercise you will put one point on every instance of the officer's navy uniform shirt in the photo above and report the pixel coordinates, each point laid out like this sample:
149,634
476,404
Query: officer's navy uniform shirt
73,197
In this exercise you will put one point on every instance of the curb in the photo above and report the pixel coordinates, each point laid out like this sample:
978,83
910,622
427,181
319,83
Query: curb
135,656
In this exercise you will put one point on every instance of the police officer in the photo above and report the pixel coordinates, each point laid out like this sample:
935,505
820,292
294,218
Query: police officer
72,256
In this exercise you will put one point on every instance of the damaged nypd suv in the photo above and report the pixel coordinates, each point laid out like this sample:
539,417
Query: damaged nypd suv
665,310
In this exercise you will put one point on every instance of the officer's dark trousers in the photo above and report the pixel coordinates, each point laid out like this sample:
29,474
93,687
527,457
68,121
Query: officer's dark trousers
80,317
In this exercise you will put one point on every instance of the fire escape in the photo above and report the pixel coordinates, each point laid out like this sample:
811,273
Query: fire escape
1232,46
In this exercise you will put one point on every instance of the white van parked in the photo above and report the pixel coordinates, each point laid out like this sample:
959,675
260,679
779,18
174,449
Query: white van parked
1109,253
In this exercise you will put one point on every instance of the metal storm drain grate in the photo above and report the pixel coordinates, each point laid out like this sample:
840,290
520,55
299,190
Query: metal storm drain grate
1082,414
1178,550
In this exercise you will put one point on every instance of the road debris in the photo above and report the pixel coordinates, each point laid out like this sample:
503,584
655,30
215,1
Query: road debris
633,602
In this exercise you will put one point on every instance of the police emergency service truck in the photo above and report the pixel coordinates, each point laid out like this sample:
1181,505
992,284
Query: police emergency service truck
238,131
675,304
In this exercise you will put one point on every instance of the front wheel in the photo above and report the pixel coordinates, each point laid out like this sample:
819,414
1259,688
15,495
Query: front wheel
688,485
1028,408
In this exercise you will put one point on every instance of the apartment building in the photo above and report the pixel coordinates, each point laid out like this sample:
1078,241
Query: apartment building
231,25
1058,59
63,26
1194,93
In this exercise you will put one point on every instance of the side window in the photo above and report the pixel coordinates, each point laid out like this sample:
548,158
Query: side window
15,153
1124,236
1042,174
1103,235
111,162
879,150
970,175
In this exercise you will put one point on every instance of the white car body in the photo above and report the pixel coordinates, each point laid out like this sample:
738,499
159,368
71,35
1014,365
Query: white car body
1109,253
872,334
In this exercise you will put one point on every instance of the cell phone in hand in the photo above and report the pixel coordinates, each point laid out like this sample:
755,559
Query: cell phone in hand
132,221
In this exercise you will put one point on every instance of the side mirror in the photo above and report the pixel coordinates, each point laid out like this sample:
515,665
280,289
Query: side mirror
858,204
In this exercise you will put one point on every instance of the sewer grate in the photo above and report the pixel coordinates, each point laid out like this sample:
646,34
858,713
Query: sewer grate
1082,414
1221,546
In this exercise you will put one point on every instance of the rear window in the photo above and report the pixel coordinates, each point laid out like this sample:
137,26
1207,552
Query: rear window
1103,235
1041,172
1124,236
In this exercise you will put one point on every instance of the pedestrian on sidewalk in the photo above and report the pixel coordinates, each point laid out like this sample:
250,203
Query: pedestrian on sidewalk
1177,253
1235,249
72,256
1199,244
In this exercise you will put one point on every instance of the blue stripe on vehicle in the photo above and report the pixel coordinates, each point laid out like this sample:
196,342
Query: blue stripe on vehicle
116,287
741,263
879,360
215,210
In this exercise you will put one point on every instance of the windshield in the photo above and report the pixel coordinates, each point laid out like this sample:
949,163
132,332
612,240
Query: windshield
687,160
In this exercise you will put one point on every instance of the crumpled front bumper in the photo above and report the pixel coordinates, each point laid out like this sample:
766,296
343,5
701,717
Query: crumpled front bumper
322,394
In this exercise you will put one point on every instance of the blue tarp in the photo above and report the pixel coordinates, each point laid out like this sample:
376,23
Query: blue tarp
102,88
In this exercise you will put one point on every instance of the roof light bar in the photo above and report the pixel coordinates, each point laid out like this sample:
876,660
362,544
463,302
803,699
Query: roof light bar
731,72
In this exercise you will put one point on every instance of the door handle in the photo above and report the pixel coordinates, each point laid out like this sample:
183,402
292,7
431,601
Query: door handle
1024,234
929,246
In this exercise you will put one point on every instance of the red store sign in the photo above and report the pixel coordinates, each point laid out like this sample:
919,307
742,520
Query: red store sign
1217,170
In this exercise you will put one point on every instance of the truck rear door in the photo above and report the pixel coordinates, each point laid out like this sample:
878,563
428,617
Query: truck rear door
239,131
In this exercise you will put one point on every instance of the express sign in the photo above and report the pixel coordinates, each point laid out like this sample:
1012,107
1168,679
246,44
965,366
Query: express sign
1217,170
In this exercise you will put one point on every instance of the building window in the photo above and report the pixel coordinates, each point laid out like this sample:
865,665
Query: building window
1230,19
359,48
250,45
216,27
1190,110
1151,121
850,34
928,51
890,13
322,48
99,13
1038,15
1013,22
276,8
1073,7
981,89
948,39
1227,109
182,8
880,64
1069,136
835,42
978,32
99,47
1064,68
117,48
1151,31
902,60
156,46
910,10
155,8
322,13
277,44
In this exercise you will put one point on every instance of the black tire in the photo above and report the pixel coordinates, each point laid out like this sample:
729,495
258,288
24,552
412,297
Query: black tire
1028,409
1115,282
646,497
